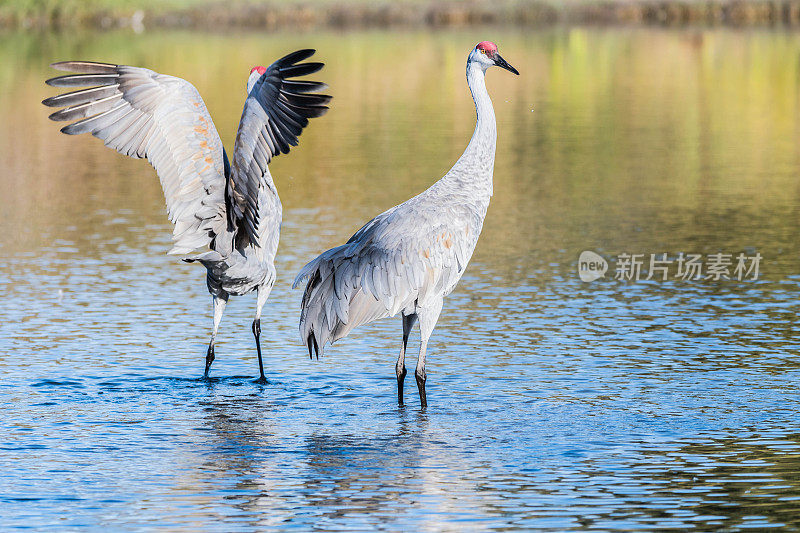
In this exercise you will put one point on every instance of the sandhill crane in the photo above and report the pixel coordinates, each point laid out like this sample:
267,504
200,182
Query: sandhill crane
231,212
407,259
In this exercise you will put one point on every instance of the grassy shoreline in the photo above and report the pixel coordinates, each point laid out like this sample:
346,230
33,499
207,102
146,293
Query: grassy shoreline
270,14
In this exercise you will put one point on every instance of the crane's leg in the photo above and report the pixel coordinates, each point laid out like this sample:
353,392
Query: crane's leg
263,294
400,367
427,321
219,308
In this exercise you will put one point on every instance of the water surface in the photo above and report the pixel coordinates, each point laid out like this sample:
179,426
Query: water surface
554,404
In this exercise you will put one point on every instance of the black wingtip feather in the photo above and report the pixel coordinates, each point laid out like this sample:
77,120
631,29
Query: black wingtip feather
306,99
304,86
301,69
298,55
310,111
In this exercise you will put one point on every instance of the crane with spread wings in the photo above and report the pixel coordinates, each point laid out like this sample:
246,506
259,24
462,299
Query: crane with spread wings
228,214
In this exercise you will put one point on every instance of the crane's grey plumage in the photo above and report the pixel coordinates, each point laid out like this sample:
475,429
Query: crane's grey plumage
229,211
407,259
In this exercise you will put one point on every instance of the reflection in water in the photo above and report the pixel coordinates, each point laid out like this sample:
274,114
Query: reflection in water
557,404
711,483
351,478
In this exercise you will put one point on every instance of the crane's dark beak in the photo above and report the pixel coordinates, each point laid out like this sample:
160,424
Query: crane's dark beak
502,63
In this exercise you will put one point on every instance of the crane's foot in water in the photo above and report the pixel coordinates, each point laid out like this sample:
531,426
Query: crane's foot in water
423,400
257,334
401,376
209,360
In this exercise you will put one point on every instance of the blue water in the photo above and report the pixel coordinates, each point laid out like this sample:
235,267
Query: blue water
551,408
553,404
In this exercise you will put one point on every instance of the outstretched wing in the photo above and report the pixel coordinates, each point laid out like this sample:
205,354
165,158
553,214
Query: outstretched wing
141,113
275,113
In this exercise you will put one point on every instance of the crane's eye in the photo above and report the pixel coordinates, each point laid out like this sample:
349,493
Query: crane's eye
482,51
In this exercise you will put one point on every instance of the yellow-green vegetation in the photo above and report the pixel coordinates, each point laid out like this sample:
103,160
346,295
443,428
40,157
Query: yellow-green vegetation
89,12
268,14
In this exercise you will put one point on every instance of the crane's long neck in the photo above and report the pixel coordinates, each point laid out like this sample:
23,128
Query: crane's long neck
475,166
486,127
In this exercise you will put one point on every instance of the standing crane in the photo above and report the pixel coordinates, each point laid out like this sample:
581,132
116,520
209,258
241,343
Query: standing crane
231,212
407,259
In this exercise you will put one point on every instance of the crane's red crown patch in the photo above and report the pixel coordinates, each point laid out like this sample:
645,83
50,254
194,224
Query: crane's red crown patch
260,69
487,46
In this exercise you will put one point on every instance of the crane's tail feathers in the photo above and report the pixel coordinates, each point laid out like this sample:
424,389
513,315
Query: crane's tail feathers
305,273
312,346
314,266
334,303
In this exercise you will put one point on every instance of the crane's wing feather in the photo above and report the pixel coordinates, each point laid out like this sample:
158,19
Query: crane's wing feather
141,113
274,115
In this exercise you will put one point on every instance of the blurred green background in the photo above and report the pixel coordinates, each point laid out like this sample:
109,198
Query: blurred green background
221,14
